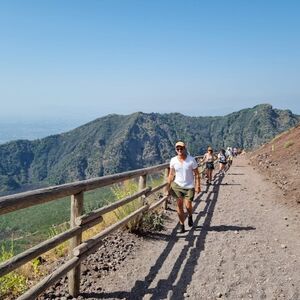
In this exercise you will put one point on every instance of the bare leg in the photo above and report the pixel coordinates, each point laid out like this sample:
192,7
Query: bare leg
207,175
189,206
180,211
210,175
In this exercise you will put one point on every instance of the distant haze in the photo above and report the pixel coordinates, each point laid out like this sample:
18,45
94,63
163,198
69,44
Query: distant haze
80,60
33,129
37,127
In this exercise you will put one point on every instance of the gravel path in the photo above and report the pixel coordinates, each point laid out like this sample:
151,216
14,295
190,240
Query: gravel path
244,244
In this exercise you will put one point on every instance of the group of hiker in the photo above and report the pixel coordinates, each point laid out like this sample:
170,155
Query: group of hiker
224,158
184,178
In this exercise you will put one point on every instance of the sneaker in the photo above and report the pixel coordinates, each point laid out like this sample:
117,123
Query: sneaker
190,221
182,229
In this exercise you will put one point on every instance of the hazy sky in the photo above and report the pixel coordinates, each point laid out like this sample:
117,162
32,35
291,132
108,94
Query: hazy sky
86,59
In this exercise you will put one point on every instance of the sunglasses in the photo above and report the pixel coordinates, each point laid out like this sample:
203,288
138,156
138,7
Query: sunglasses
179,148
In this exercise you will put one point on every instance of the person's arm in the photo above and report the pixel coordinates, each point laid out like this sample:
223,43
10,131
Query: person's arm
197,180
170,179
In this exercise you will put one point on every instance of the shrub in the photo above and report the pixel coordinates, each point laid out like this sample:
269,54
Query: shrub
152,221
288,144
124,190
12,284
60,250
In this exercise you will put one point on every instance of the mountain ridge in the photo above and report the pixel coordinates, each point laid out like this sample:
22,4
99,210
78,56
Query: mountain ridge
117,143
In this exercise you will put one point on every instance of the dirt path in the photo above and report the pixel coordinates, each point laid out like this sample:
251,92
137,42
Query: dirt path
244,245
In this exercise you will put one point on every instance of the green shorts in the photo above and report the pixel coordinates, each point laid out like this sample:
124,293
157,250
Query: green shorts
179,192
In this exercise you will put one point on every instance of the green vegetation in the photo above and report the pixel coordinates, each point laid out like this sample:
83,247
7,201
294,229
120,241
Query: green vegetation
35,265
61,249
288,144
152,221
115,143
130,187
13,283
121,191
32,225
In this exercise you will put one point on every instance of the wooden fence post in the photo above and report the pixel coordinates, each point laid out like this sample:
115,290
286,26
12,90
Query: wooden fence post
74,274
167,171
142,185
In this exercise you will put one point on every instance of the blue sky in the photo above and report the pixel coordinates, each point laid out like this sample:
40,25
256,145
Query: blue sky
81,60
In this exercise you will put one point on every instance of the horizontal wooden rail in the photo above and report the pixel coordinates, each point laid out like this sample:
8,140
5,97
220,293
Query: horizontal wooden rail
103,210
80,253
84,222
154,190
36,290
24,257
27,199
23,200
93,242
159,202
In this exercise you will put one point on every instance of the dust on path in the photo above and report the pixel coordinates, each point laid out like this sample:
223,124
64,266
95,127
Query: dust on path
244,245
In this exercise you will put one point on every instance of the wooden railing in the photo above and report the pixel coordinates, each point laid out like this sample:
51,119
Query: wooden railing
79,222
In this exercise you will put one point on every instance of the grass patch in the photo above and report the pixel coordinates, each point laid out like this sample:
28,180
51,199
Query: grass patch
32,225
12,284
152,221
121,191
60,250
288,144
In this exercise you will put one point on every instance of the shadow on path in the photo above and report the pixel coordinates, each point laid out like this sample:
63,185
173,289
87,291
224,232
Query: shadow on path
225,228
175,285
239,174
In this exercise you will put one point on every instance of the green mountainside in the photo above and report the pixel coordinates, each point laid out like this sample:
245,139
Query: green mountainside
117,143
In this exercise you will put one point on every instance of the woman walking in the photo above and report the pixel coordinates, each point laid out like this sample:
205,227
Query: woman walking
208,159
222,161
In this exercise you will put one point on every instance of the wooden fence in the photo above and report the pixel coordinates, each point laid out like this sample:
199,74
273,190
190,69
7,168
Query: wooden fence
79,222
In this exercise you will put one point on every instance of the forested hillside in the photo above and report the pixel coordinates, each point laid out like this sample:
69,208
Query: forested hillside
117,143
